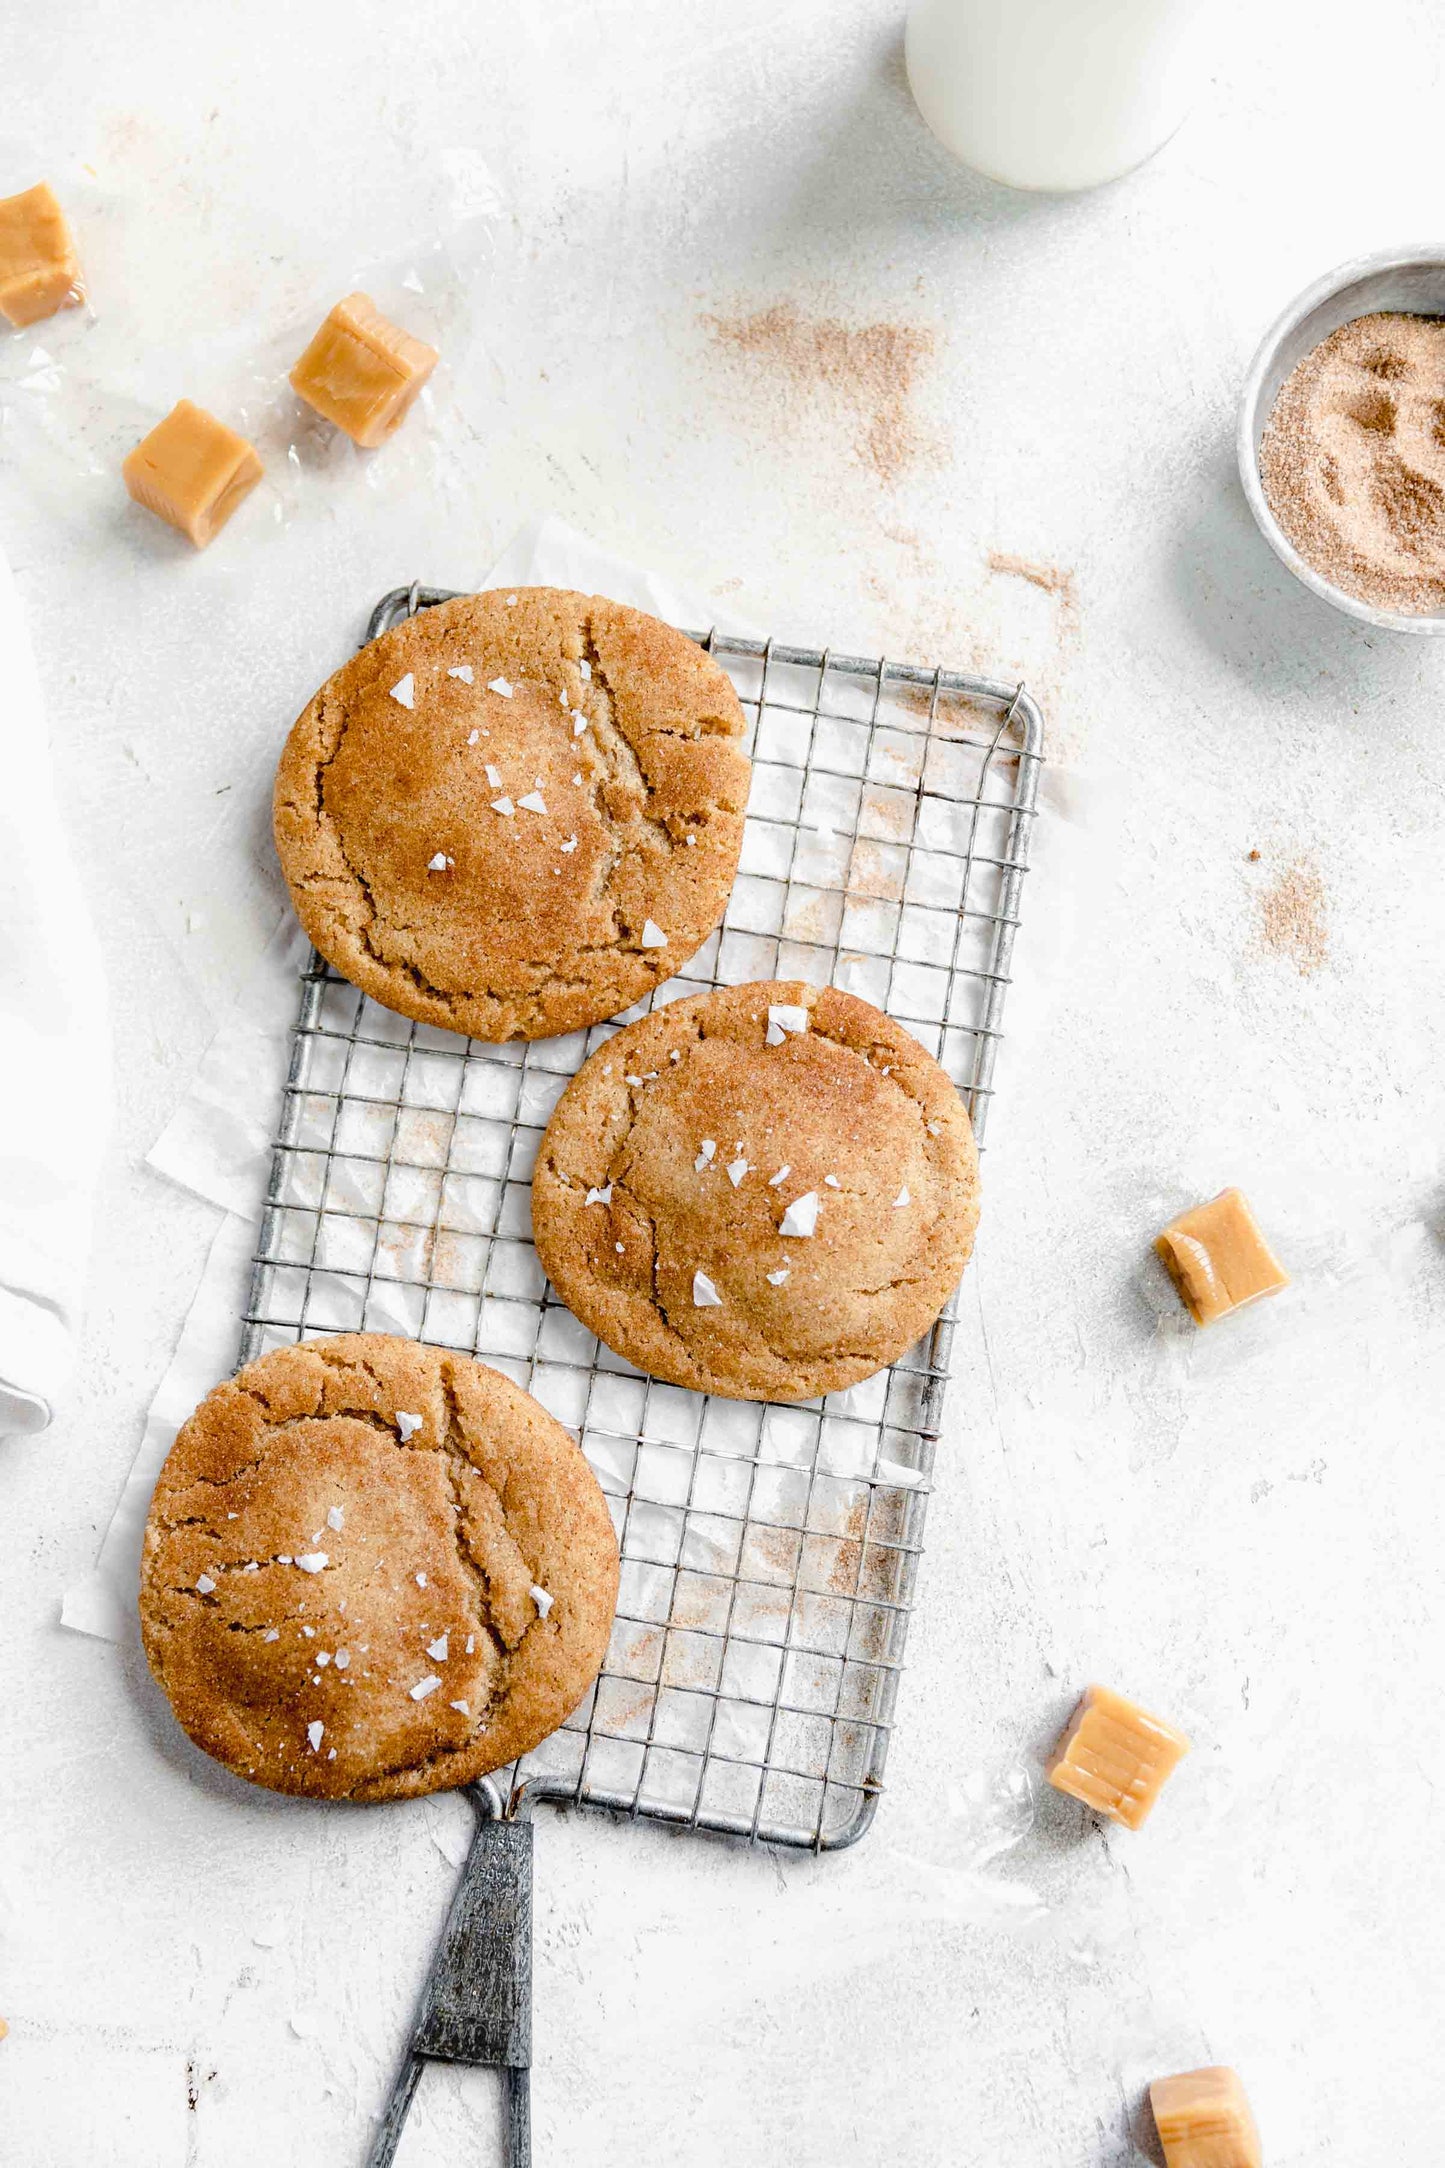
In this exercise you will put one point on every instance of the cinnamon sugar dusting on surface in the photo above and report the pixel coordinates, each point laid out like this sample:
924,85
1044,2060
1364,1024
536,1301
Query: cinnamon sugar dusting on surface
1050,578
872,369
1293,916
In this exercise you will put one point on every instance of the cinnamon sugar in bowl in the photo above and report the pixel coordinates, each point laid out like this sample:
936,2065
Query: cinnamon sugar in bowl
1342,439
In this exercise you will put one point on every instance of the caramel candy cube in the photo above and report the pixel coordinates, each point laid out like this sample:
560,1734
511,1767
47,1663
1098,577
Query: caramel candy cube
362,372
192,471
1204,2120
1218,1258
1115,1757
39,271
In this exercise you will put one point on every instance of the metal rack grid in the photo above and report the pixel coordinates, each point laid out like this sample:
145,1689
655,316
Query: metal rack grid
769,1552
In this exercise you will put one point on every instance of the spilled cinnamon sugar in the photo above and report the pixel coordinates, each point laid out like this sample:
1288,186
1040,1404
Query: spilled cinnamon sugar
1293,919
871,368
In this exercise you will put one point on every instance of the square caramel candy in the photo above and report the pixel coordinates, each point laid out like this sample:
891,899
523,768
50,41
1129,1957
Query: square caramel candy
362,372
1219,1259
1204,2120
1115,1757
39,272
192,471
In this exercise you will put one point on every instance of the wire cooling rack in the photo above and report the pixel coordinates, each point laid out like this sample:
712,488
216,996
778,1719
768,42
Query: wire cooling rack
769,1553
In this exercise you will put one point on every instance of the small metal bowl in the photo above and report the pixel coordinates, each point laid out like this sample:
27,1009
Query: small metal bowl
1411,280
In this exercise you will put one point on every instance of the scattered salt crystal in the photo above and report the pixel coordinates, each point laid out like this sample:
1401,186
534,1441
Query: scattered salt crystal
632,1079
313,1561
619,1249
673,1055
933,1128
424,1687
331,1753
704,1295
736,1171
437,1650
421,1580
653,935
503,805
494,775
786,1016
569,846
534,802
272,1633
322,1658
511,602
462,670
894,1471
902,1198
460,1707
407,1424
472,736
579,724
341,1659
832,1181
471,1643
584,668
335,1518
439,864
204,1585
403,689
310,1632
776,1279
283,1558
801,1216
314,1732
781,1176
252,1565
705,1155
500,685
542,1600
690,841
600,1196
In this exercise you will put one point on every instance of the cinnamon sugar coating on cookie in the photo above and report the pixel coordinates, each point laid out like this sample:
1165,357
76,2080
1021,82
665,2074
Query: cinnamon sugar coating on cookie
373,1569
767,1192
514,816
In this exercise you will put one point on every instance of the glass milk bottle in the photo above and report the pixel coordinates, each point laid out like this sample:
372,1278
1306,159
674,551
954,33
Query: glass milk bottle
1055,94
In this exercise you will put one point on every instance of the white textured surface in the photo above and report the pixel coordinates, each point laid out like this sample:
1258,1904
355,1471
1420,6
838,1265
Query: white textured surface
1245,1530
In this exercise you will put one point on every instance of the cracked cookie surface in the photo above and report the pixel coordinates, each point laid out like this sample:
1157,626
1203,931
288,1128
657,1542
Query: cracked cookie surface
516,813
374,1569
767,1192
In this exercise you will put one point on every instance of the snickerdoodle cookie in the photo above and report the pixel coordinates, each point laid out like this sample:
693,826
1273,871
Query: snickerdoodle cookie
768,1192
515,814
374,1569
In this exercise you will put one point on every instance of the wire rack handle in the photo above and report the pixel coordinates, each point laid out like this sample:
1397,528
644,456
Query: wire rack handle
476,2006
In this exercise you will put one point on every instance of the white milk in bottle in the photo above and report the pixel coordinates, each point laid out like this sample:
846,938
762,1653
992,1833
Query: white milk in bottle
1055,94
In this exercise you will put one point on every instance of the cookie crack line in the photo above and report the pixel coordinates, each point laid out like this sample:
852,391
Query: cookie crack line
454,1451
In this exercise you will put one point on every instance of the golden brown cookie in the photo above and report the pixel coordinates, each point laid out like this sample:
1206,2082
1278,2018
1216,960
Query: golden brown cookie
373,1569
768,1192
516,813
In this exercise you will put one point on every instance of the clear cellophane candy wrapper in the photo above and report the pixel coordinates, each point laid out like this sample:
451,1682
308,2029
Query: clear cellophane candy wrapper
185,319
